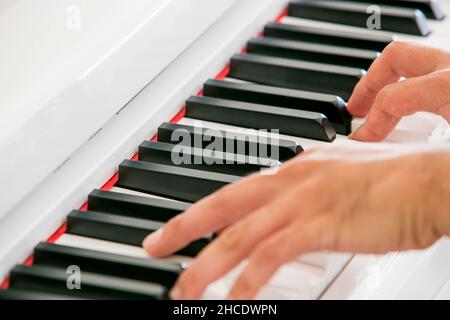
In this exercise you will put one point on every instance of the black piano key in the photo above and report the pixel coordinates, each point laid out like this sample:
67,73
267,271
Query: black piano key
171,181
147,270
93,286
200,159
230,142
431,8
19,294
328,36
402,20
305,124
135,206
293,74
119,229
333,107
306,51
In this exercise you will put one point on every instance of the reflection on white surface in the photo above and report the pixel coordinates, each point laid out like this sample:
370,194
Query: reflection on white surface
68,66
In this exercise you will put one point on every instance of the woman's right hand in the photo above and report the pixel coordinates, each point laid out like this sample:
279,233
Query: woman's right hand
385,100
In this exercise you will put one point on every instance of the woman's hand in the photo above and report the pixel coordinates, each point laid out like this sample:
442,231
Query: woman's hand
385,100
339,199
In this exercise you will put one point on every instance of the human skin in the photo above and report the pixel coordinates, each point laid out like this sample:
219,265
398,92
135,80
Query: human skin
362,199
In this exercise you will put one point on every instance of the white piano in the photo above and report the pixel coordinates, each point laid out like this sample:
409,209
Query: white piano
83,83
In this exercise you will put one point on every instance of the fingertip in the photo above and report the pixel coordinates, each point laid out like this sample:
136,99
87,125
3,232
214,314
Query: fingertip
152,242
175,294
365,134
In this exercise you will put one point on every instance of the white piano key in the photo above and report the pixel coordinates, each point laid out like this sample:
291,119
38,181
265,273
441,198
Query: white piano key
361,274
292,281
428,274
331,263
298,277
444,293
274,293
438,37
417,274
113,247
383,282
139,194
399,135
305,143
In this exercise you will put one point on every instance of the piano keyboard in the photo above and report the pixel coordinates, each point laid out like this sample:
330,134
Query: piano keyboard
296,78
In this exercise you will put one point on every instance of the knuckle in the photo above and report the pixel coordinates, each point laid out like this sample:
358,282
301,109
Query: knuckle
385,94
385,103
267,252
230,239
219,200
443,80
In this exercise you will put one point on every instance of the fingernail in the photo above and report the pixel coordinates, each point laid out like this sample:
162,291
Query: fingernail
152,240
175,294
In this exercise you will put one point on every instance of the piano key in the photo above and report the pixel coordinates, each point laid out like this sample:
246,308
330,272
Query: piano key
427,277
309,144
293,74
403,20
93,286
305,124
134,206
444,292
333,107
148,270
296,281
19,294
327,36
245,142
139,194
431,8
171,181
199,159
119,229
295,275
81,242
306,51
438,37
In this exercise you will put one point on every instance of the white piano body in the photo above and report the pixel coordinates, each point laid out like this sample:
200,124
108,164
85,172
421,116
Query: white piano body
84,82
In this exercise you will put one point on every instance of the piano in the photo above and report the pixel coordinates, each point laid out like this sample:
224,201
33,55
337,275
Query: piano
91,92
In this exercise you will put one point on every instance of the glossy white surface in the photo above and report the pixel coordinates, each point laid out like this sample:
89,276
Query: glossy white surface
62,81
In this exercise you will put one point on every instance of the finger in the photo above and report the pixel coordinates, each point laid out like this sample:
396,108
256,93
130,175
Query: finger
231,247
284,246
425,93
399,59
214,213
